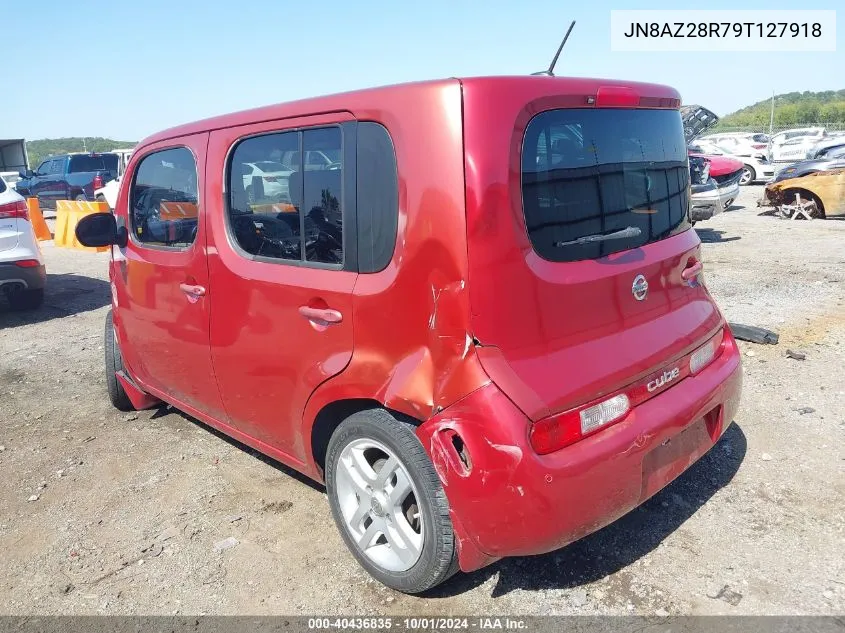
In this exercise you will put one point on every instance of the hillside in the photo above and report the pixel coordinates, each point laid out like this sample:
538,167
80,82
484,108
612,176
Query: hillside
793,108
41,149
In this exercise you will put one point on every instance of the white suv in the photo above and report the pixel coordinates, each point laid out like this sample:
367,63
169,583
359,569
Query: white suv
22,272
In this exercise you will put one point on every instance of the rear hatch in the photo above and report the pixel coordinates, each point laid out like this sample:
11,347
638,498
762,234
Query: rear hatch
697,121
588,295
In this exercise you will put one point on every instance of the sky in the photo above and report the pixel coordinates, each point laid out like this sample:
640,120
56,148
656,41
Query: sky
124,70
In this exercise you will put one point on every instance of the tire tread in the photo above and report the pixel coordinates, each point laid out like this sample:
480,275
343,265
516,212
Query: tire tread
114,364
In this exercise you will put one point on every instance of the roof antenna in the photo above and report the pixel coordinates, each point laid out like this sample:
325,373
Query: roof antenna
550,71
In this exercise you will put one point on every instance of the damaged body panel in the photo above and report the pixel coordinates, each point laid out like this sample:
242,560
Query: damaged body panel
511,501
825,190
413,346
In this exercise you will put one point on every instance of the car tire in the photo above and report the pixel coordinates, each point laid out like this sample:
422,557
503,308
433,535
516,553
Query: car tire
80,197
29,299
749,175
363,445
114,364
819,206
789,194
100,198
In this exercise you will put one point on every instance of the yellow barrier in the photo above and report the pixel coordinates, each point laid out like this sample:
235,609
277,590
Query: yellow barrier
170,211
42,231
275,207
68,215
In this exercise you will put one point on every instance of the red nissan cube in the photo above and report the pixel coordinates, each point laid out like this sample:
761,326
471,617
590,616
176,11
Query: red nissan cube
474,308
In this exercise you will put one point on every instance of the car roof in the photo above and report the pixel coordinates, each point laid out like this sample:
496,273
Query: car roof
370,102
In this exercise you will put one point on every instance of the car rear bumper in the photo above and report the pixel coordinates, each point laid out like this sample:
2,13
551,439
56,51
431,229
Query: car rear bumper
728,194
506,500
32,278
704,202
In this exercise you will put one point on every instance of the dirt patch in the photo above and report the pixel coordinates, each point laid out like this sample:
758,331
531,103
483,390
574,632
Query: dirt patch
277,507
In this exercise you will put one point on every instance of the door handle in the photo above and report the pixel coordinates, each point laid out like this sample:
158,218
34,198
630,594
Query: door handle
321,316
193,291
691,272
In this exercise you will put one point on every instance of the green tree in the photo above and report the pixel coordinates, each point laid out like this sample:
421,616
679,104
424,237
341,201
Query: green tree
792,108
43,148
807,112
786,114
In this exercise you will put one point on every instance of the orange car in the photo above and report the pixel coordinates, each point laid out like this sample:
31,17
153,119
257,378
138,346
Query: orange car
821,193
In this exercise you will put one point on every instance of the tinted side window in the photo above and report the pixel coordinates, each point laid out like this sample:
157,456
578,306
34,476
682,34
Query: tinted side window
378,197
163,202
264,207
44,168
289,212
321,200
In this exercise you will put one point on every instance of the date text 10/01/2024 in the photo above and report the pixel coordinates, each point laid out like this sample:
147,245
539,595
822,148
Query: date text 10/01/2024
418,624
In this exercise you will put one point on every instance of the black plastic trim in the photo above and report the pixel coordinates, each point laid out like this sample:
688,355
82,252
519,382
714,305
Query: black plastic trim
377,197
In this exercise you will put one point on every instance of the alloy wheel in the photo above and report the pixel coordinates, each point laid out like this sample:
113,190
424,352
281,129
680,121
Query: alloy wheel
378,502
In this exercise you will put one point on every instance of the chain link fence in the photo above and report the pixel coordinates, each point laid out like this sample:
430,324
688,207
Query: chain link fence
764,129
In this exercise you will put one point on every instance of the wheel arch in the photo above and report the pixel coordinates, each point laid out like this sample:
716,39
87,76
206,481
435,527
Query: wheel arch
789,196
332,414
753,171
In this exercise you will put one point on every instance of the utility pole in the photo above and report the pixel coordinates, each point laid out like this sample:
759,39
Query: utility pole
772,116
85,147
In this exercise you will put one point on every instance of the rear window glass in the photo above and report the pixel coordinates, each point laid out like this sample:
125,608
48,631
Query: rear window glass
600,181
93,163
2,185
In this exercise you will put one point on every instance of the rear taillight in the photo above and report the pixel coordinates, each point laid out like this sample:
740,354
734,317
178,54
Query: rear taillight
27,263
562,429
610,410
557,431
14,210
702,357
98,182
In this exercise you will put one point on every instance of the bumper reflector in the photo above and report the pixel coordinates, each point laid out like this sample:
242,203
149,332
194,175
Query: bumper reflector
27,263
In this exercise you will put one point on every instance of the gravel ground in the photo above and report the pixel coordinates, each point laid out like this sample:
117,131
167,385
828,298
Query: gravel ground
108,513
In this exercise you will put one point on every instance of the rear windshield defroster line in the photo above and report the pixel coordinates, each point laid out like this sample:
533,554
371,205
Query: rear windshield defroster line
601,181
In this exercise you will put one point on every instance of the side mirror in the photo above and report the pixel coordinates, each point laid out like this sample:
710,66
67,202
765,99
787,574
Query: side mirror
27,173
100,229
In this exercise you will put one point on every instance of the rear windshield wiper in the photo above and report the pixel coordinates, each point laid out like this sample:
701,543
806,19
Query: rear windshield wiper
628,231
